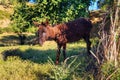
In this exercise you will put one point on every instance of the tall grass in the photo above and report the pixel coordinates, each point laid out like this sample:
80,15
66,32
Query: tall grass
64,71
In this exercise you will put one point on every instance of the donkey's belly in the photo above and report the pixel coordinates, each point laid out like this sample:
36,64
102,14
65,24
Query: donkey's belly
73,38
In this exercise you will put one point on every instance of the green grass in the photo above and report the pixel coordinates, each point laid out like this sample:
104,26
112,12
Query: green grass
37,62
39,54
32,62
17,69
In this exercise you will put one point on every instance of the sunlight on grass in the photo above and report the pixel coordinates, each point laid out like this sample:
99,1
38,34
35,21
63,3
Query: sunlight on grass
48,49
17,69
32,63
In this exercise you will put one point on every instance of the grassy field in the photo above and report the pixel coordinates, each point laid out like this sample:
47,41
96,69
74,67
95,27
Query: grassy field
37,62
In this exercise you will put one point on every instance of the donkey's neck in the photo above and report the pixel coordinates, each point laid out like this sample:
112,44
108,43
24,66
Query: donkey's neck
53,31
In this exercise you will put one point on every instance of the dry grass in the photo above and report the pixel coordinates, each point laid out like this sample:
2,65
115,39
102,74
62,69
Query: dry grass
5,13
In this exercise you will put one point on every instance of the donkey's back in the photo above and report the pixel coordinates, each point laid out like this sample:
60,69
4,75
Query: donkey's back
77,29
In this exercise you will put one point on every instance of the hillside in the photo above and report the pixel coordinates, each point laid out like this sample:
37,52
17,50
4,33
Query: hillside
5,13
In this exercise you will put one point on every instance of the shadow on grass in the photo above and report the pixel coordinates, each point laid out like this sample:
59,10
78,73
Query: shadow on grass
38,56
8,40
13,39
41,57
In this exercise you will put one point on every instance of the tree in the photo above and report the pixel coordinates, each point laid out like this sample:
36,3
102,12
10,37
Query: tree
108,40
20,24
61,10
108,48
56,11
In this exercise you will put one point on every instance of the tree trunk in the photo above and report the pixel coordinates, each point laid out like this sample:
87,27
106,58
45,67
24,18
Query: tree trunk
22,38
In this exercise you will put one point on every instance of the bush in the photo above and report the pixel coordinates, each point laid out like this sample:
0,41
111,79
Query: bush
31,29
64,71
110,72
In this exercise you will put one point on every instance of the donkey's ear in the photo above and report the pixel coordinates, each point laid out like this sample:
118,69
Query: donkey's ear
43,23
36,24
47,22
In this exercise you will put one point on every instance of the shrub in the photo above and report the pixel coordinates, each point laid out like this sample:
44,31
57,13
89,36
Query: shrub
64,71
110,72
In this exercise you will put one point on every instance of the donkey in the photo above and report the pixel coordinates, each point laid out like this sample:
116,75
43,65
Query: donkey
65,33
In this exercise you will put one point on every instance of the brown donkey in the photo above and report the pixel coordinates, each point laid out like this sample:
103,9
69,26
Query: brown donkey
65,33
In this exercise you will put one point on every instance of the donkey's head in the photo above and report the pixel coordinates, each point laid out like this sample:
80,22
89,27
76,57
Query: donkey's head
43,31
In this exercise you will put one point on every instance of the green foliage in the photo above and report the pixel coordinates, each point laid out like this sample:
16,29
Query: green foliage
61,10
106,4
4,15
56,11
64,71
31,29
6,30
108,69
20,24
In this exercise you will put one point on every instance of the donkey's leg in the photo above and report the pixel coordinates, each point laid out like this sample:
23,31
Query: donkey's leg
87,40
64,51
58,53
